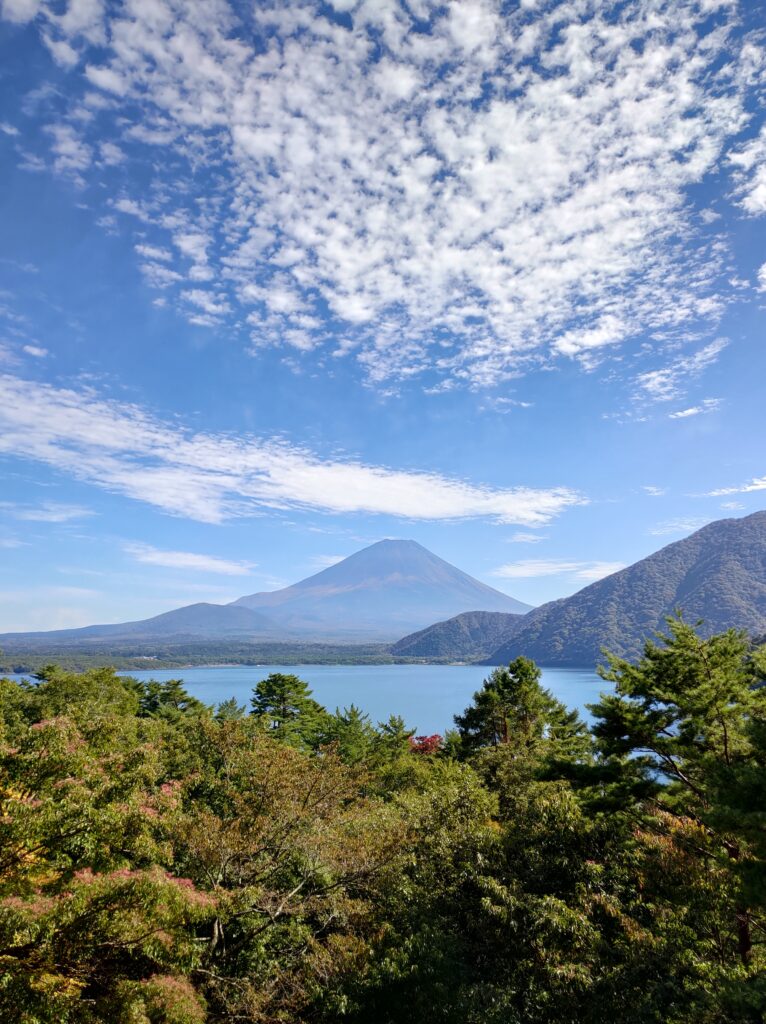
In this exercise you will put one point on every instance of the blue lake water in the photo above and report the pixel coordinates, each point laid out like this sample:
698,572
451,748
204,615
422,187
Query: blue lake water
426,696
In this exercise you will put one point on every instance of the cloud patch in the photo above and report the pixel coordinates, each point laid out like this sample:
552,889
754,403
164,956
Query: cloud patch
463,189
212,477
670,382
707,405
756,484
533,568
48,512
187,560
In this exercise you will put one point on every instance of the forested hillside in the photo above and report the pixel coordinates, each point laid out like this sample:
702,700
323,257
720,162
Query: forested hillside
471,636
162,862
717,575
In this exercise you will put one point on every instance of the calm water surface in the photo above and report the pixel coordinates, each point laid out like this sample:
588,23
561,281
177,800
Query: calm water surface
426,696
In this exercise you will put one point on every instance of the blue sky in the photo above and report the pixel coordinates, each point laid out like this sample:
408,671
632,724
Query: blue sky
277,281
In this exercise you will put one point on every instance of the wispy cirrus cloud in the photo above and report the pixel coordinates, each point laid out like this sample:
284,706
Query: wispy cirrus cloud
187,560
211,477
706,405
532,568
461,189
669,382
48,512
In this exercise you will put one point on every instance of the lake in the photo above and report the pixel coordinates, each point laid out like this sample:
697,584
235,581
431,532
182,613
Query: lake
426,696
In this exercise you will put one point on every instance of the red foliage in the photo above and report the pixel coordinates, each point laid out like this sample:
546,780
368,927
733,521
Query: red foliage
426,744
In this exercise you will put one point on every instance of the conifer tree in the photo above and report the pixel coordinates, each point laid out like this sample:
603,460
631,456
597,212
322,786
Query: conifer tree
284,704
684,735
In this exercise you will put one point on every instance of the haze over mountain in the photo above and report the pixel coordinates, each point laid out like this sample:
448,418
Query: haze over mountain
718,574
389,588
193,621
391,584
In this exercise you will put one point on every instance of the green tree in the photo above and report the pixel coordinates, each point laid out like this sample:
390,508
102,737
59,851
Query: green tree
289,851
682,748
230,709
167,699
514,709
284,705
352,733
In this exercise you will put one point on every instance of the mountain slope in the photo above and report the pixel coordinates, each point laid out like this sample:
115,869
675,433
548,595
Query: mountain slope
467,637
193,620
377,594
381,592
718,574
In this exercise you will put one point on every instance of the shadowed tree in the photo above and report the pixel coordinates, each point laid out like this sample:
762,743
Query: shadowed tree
683,737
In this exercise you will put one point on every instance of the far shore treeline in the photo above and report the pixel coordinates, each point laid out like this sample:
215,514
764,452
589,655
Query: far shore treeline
165,862
31,658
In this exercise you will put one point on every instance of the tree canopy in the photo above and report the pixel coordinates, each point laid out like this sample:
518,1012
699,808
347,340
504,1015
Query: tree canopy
165,862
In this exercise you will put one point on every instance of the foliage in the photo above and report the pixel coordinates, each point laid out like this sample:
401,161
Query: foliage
162,862
284,706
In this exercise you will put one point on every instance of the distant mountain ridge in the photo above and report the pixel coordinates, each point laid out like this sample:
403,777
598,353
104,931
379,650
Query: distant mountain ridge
378,590
718,575
471,636
398,593
374,595
193,621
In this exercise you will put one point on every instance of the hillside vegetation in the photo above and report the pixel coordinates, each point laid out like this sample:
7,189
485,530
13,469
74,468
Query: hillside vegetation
162,862
717,575
471,636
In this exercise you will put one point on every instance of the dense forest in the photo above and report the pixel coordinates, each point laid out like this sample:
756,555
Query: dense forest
162,862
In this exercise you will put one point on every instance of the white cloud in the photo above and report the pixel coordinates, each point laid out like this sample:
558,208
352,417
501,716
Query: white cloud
154,252
750,163
105,78
654,492
35,350
527,538
762,278
509,186
211,477
669,382
732,506
756,484
532,568
149,555
49,512
707,405
214,305
132,208
72,156
501,403
20,11
111,154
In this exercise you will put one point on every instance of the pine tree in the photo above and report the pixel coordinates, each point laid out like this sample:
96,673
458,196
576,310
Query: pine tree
284,704
353,734
683,737
514,709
